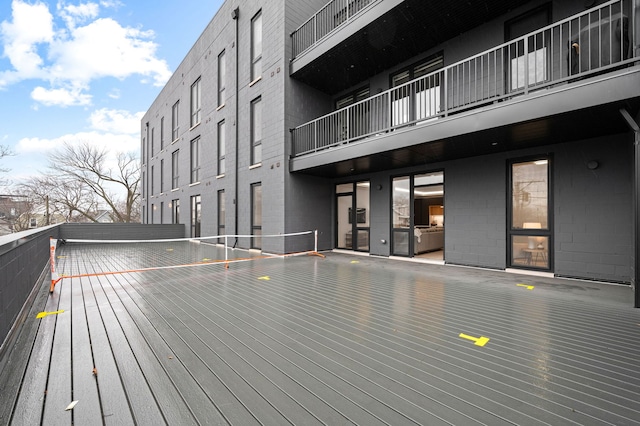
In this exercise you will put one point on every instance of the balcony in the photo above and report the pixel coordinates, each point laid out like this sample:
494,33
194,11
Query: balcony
587,52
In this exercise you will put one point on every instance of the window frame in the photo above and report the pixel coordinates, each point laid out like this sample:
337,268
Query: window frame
256,46
518,232
175,122
222,213
256,215
256,131
196,102
195,160
222,78
221,148
175,169
161,133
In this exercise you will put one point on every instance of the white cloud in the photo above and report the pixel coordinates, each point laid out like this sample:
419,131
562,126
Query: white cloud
81,48
104,48
75,14
32,26
116,121
60,97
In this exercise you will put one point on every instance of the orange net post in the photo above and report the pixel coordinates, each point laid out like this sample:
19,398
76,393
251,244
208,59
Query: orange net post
52,260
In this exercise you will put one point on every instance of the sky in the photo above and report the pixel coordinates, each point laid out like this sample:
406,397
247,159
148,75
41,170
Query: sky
86,71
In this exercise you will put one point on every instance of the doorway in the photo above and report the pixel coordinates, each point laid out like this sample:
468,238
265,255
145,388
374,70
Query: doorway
418,216
352,216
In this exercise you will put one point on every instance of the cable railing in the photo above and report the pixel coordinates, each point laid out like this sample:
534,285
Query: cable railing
590,42
331,16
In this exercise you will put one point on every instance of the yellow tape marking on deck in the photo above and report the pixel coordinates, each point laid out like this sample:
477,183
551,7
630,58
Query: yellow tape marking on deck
62,257
529,287
355,261
265,278
169,249
206,259
44,314
479,341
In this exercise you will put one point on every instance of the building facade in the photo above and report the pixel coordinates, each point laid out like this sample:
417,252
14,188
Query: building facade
498,134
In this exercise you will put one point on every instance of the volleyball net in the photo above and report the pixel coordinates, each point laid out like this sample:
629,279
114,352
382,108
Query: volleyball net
74,258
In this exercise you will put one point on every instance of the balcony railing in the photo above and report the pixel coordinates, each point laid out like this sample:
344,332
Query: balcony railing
326,20
590,42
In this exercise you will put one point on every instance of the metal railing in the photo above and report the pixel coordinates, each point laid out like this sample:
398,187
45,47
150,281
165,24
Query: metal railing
590,42
326,20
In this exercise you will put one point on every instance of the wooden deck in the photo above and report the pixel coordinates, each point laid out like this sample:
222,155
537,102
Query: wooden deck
340,340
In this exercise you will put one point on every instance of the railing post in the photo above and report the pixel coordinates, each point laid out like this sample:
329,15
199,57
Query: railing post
526,65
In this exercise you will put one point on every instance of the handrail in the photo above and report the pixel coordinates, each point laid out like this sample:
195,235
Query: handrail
589,42
325,21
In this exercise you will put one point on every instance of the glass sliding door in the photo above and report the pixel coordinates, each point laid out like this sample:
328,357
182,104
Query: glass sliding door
418,216
530,244
401,211
352,216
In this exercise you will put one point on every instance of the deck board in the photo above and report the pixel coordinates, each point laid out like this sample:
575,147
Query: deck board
335,341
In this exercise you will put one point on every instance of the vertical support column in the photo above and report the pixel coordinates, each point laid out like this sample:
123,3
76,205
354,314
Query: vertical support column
635,276
636,218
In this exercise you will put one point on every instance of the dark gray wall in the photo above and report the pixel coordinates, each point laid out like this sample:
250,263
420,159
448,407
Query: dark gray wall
593,209
475,211
120,231
23,258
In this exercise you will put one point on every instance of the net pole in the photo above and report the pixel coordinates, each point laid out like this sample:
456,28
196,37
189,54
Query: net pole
315,244
226,253
52,261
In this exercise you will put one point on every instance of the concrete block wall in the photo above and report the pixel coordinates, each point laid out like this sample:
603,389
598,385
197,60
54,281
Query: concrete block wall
475,211
23,258
593,209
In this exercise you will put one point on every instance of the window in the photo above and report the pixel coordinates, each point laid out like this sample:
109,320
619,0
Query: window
196,107
161,212
196,215
221,148
256,131
161,133
153,211
355,121
535,59
221,215
144,150
144,184
417,100
256,215
174,121
174,169
33,223
195,160
153,191
175,211
153,142
530,230
161,175
256,46
222,76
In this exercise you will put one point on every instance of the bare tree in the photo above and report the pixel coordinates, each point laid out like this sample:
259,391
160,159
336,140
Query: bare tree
5,151
64,197
84,167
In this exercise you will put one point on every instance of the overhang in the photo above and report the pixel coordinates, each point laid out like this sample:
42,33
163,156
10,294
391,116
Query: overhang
567,112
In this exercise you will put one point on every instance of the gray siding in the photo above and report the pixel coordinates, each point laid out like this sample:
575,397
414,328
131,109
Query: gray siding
593,209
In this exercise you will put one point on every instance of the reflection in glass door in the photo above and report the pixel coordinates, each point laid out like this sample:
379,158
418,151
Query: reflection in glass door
352,216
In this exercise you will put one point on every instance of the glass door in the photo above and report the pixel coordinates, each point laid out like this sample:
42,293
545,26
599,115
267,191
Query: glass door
352,216
530,244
